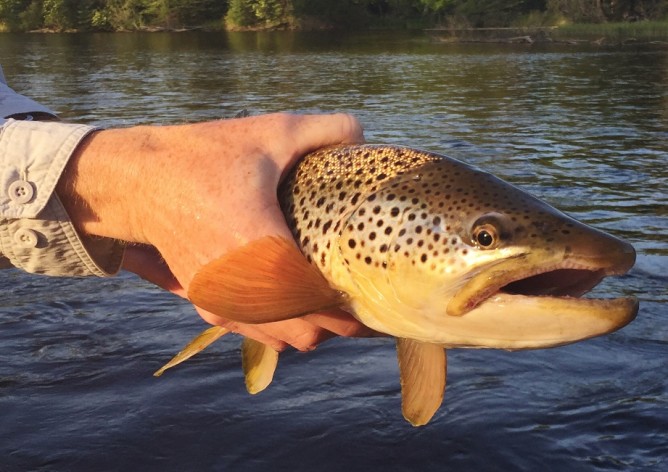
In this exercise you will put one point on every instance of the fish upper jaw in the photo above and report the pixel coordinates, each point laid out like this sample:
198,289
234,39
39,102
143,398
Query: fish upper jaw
542,272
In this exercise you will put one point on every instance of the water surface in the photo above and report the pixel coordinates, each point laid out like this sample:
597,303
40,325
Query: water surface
584,128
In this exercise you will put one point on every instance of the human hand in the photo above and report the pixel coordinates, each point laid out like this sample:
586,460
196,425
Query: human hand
195,192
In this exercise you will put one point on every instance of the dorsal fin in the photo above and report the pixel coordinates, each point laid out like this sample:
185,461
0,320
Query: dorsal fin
258,362
422,367
199,343
266,280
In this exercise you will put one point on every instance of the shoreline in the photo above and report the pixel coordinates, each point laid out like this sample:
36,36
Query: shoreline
569,35
611,34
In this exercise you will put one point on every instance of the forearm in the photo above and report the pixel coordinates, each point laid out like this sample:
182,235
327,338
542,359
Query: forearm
141,185
102,185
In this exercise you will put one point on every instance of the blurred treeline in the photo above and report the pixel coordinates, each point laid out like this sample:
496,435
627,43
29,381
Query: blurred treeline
123,15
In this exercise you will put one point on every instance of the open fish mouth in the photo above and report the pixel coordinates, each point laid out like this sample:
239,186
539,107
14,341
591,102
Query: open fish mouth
546,274
514,306
566,282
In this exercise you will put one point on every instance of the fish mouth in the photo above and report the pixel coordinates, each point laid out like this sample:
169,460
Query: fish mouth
560,282
542,273
566,280
527,303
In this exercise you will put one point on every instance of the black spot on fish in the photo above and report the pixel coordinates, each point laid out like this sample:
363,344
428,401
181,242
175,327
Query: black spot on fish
326,226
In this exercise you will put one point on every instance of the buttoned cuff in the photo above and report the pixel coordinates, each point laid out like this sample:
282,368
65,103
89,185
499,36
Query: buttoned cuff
36,233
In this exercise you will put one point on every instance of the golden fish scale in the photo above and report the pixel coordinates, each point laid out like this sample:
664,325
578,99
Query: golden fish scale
329,184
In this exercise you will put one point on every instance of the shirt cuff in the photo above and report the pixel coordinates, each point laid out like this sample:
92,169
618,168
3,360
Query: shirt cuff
36,233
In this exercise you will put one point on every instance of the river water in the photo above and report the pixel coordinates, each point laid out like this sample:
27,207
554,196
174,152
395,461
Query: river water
584,128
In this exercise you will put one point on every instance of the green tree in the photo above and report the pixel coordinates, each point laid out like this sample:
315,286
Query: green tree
59,14
263,13
10,13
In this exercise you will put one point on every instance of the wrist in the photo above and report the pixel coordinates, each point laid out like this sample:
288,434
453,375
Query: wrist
101,185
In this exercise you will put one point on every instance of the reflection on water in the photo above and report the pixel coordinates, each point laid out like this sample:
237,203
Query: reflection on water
586,129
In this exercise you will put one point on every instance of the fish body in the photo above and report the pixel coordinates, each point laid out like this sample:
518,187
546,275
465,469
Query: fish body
419,242
429,250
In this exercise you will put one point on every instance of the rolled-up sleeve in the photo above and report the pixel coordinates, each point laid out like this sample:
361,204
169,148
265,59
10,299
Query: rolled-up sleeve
36,233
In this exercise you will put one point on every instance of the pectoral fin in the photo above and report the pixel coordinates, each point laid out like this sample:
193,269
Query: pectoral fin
196,345
422,367
266,280
259,363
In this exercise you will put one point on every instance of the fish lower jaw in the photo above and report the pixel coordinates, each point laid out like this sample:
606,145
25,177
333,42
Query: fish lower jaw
507,321
518,322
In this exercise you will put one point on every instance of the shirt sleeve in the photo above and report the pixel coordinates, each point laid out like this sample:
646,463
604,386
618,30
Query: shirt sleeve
15,105
36,233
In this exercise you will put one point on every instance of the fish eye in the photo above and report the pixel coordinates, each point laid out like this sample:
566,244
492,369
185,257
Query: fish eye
489,231
486,237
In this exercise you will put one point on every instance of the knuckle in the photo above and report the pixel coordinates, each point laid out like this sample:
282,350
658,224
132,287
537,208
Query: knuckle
306,340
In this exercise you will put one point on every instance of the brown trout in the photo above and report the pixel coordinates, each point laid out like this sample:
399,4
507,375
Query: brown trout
424,248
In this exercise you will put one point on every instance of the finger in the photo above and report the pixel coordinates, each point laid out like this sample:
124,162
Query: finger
299,333
316,131
341,323
257,332
311,132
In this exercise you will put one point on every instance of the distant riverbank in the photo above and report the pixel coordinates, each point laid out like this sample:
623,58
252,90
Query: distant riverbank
643,32
602,33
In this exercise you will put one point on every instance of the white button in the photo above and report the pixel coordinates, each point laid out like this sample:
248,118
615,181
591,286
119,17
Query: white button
26,238
21,191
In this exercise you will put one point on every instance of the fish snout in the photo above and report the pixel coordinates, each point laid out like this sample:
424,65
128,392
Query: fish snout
601,251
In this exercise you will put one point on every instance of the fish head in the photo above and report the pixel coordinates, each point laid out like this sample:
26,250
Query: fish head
449,254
